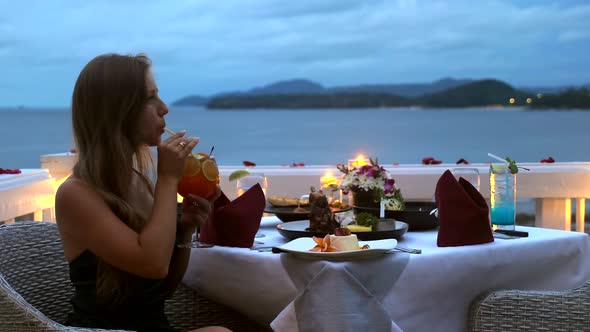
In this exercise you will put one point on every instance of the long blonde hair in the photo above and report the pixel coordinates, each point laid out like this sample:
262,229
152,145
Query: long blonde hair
107,101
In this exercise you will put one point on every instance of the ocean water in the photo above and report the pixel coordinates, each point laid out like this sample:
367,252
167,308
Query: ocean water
329,137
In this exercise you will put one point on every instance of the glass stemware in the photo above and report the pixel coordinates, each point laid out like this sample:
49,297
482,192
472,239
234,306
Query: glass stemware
247,182
471,174
200,177
305,200
194,243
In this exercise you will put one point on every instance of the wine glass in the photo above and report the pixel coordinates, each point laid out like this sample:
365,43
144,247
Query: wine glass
194,243
201,178
471,174
247,182
302,199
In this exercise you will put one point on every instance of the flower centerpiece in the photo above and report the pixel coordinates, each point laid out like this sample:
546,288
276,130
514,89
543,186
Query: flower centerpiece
369,184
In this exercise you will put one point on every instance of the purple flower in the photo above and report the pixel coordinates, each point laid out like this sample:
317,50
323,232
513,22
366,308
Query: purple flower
368,177
364,169
388,186
373,172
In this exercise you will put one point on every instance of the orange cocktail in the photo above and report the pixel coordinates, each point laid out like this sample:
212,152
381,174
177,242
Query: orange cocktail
201,176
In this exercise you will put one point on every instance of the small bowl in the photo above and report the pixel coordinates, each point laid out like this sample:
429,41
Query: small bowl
416,215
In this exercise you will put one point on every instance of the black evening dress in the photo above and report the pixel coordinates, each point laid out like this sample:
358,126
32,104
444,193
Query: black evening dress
143,310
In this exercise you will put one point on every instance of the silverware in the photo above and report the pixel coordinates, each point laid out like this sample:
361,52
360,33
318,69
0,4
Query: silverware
404,249
262,249
505,236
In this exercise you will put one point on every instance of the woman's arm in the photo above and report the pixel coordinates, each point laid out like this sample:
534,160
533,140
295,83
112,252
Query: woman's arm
178,265
192,215
86,220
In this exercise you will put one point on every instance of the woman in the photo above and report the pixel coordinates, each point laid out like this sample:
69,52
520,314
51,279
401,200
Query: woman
119,231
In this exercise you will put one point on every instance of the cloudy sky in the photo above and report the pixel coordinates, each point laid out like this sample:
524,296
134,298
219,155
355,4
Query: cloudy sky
206,47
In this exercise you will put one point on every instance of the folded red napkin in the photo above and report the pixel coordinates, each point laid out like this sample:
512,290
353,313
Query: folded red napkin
235,223
463,213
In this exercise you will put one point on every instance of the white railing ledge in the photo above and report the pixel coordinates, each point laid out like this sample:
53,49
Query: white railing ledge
32,191
418,182
552,185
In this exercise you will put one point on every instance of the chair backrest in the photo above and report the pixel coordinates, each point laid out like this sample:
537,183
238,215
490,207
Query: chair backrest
518,310
33,263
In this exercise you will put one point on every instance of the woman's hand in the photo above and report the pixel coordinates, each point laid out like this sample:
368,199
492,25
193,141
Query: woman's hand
172,154
196,210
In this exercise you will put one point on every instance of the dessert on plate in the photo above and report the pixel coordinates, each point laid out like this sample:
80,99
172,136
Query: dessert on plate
341,240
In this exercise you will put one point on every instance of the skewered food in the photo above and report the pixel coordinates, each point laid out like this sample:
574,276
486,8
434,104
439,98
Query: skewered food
287,201
321,217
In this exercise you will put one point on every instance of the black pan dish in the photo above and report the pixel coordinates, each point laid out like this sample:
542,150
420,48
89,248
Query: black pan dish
293,213
386,229
416,215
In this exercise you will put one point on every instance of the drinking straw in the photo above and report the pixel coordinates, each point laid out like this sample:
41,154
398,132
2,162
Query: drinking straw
170,132
497,158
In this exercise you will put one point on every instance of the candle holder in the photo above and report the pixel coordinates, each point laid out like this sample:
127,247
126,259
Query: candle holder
329,185
356,163
351,163
330,190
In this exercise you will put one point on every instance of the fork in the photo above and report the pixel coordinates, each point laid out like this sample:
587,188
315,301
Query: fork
404,249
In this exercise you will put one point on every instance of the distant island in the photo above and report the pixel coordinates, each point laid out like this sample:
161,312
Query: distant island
448,92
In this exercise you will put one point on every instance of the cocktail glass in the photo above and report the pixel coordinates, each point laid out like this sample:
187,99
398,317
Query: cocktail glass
200,178
502,196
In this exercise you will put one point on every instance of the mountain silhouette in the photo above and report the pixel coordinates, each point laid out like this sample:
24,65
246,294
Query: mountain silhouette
302,93
478,93
295,86
484,92
406,89
192,100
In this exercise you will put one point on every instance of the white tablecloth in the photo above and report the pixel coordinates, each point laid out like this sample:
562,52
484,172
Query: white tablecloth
432,293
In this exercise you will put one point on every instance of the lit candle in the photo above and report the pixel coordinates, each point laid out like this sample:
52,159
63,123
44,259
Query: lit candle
330,184
360,160
357,162
327,180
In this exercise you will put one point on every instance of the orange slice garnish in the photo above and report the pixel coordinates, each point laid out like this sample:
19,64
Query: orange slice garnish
192,166
210,170
323,244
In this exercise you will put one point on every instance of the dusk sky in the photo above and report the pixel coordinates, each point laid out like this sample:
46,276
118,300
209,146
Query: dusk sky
206,47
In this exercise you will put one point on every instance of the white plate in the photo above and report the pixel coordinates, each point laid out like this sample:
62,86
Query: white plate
301,246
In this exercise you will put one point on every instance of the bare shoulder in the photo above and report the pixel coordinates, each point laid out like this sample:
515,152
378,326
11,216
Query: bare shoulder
72,187
75,194
87,222
72,199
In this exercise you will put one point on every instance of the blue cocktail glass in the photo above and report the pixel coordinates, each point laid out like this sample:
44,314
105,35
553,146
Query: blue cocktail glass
502,196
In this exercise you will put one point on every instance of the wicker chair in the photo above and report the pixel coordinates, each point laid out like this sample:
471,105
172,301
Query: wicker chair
35,288
515,310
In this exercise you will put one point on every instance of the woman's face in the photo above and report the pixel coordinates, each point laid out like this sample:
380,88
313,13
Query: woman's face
151,121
